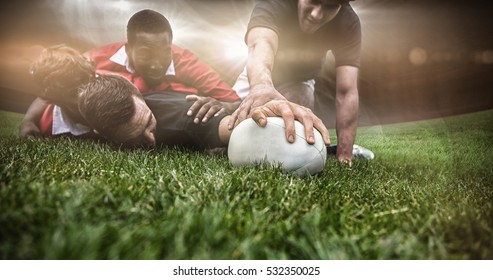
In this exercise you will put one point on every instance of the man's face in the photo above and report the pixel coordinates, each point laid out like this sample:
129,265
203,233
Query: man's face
139,132
150,56
313,14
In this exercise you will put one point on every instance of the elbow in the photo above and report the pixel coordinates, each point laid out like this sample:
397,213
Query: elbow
347,93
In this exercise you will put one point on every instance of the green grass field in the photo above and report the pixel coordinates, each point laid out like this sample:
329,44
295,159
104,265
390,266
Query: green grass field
427,195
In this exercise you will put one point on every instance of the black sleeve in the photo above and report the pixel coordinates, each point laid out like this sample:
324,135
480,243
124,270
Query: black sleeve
175,128
270,14
348,48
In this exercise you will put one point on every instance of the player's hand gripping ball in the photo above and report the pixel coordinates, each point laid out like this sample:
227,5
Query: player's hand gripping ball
252,145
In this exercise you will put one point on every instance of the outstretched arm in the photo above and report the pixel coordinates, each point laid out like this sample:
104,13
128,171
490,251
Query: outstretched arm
29,125
262,48
347,103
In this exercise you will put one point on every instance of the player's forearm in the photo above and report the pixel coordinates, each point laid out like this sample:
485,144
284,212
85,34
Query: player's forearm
346,123
35,110
30,123
262,48
259,71
223,131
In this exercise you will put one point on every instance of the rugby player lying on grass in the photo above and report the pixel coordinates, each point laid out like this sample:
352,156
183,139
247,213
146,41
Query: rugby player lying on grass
114,108
151,61
60,70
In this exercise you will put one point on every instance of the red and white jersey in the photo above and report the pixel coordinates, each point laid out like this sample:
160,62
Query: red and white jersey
186,73
54,122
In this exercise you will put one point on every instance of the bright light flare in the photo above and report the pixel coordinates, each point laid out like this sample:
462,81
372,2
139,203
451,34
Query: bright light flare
213,30
123,5
236,52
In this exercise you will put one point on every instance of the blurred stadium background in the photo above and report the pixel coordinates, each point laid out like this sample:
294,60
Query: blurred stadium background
420,59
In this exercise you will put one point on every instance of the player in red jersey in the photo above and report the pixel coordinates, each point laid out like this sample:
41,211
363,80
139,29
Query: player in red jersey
152,63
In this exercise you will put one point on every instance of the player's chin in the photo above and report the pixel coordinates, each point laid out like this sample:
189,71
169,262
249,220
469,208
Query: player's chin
153,81
310,27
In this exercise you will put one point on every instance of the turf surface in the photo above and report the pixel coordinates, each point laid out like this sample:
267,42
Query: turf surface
427,195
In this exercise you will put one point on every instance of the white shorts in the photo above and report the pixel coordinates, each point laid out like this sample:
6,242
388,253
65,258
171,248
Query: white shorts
242,86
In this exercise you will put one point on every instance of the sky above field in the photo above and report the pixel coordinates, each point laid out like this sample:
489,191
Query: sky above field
418,57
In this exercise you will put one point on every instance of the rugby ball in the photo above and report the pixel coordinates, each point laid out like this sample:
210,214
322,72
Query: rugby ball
252,145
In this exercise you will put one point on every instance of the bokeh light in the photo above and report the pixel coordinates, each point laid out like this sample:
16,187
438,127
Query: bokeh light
418,56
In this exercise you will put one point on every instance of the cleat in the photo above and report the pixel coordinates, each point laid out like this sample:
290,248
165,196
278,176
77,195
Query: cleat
358,151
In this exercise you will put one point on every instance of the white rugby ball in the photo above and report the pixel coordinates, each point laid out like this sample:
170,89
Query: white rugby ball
252,145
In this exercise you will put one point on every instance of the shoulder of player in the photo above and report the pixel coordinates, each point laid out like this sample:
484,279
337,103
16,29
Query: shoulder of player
182,55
